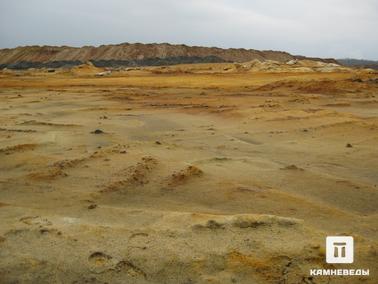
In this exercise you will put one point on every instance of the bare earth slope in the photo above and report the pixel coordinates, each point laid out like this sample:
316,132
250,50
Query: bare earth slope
135,51
212,173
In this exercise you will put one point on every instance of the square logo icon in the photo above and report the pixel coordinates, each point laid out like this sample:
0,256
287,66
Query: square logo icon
339,249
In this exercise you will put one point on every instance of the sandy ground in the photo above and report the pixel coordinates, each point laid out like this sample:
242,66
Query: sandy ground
191,177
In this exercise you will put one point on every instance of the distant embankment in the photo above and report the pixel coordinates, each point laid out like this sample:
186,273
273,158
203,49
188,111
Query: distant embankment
137,54
112,63
359,63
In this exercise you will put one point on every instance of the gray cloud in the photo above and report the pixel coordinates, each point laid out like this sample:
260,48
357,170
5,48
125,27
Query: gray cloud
327,28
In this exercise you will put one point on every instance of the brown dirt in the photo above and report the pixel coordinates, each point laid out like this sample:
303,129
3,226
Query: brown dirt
250,173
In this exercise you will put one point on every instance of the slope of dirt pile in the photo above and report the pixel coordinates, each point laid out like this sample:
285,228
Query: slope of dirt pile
130,54
294,66
360,63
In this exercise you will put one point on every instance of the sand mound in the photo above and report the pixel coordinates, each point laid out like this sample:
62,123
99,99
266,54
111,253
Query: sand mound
183,176
292,66
133,176
86,69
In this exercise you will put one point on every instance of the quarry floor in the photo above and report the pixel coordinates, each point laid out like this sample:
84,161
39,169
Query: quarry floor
189,178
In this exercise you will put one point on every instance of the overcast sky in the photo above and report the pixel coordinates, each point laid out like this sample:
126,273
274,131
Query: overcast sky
326,28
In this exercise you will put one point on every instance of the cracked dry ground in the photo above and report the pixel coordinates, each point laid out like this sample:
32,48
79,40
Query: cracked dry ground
189,178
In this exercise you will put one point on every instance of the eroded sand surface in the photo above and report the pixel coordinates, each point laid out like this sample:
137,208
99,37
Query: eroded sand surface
196,176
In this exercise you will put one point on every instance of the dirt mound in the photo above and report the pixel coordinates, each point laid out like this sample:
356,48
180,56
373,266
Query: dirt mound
110,55
292,65
86,69
133,176
184,175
